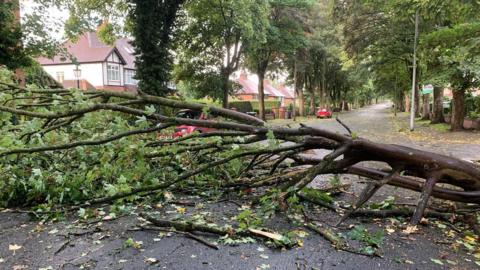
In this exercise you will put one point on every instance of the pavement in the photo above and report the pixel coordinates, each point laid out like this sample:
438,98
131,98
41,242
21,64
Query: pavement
77,244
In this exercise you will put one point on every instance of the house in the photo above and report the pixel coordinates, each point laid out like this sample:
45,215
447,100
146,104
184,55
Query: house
447,92
101,66
249,90
288,95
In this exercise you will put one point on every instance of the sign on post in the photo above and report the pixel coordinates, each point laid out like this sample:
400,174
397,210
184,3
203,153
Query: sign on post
427,89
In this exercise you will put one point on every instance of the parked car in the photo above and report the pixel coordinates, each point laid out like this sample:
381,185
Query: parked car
323,113
183,130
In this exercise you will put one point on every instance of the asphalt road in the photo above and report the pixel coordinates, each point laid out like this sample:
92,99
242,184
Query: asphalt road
378,124
63,245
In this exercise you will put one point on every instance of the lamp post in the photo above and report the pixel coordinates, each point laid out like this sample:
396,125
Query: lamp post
77,73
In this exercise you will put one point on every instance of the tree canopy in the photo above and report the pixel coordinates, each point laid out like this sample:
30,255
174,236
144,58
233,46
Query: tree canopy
212,43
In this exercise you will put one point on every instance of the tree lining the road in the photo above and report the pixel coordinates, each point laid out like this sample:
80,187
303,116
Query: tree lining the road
379,35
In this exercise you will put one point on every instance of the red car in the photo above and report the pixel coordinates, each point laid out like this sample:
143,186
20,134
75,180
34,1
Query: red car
183,130
323,113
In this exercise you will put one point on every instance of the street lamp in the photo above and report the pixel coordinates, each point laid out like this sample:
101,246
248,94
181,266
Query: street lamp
77,73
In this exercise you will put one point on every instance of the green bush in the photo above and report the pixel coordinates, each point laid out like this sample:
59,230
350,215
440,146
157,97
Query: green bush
472,106
253,105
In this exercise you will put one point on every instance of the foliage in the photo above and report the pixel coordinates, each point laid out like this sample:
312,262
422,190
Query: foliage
372,241
334,181
284,34
317,195
36,75
80,174
211,44
6,75
453,55
132,243
247,219
252,105
472,105
153,24
388,203
12,54
106,34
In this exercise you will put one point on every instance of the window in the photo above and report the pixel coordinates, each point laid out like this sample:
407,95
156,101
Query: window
60,76
129,74
113,72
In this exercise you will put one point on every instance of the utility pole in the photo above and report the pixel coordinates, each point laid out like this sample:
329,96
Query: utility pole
414,76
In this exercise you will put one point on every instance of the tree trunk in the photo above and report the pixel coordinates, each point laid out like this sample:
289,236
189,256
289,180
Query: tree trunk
324,96
437,114
400,102
261,95
226,89
301,99
321,98
426,107
417,101
19,73
458,111
407,103
311,110
299,90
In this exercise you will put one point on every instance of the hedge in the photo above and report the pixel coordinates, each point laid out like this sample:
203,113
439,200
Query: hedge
252,105
472,106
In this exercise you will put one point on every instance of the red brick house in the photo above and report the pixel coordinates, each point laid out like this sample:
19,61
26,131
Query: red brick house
249,90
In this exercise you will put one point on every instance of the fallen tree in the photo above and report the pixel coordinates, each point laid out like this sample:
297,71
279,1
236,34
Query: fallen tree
56,127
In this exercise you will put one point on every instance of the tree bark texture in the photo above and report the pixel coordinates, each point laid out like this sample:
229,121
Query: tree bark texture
458,111
437,113
426,107
261,95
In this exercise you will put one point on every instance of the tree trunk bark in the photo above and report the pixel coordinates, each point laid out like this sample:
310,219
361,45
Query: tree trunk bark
407,103
311,110
19,73
437,114
458,111
417,101
261,95
426,107
301,99
299,91
226,90
321,98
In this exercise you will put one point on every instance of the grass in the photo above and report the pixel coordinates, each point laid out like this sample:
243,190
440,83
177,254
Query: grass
298,120
441,127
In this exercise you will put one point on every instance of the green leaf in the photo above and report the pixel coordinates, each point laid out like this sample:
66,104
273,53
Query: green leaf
149,110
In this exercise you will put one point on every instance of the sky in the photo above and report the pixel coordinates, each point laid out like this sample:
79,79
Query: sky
53,18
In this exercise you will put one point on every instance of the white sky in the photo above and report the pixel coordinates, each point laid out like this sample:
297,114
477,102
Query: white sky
55,17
